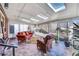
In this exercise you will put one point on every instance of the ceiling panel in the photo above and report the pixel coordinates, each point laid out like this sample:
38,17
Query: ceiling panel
35,9
78,9
46,8
31,10
13,10
70,11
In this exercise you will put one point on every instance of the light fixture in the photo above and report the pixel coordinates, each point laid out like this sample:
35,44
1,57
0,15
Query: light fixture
25,20
57,6
43,17
34,19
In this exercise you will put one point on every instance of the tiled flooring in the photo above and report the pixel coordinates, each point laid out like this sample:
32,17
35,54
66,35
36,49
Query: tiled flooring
31,50
25,49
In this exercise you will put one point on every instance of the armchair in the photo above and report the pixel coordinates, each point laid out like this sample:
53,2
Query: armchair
46,45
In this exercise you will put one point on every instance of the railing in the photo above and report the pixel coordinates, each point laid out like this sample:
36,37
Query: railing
10,46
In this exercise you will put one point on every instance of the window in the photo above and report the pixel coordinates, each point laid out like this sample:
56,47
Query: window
23,27
12,29
15,28
57,6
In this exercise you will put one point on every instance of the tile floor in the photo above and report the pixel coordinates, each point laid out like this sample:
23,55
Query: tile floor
25,49
31,50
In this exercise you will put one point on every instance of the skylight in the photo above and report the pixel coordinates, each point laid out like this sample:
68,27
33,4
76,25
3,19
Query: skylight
57,6
34,19
43,17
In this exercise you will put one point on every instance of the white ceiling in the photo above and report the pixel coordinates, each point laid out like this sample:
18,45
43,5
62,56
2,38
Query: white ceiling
18,11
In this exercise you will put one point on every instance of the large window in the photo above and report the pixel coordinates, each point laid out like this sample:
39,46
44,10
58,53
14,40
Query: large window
15,28
23,27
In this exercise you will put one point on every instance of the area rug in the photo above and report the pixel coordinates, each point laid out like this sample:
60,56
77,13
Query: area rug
32,41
